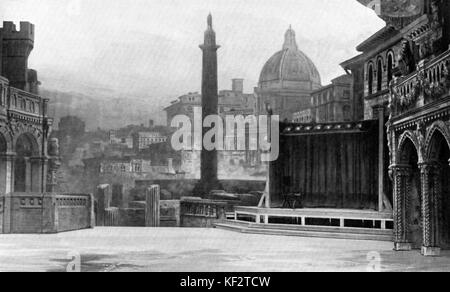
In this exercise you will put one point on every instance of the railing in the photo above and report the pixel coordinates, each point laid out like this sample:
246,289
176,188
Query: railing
72,201
203,208
25,102
201,213
429,83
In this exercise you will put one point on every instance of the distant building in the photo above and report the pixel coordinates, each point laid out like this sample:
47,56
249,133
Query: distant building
142,140
124,141
125,165
305,117
184,105
333,103
232,102
235,101
287,80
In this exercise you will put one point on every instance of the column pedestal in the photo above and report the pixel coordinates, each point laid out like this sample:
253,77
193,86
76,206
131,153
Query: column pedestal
431,251
403,246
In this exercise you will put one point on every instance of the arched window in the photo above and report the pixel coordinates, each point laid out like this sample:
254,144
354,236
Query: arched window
379,75
390,68
370,78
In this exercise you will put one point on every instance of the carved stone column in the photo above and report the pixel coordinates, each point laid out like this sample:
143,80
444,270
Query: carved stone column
401,175
39,166
437,203
54,163
27,174
430,244
7,183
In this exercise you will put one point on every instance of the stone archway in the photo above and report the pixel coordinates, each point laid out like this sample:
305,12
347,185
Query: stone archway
25,179
438,154
3,166
408,196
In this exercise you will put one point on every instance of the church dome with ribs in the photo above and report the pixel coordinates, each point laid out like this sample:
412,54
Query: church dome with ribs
290,68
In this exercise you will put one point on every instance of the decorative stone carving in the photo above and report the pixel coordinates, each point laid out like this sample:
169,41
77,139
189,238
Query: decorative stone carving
402,187
426,170
406,59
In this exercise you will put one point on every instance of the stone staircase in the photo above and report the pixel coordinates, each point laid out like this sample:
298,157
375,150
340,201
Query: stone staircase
307,231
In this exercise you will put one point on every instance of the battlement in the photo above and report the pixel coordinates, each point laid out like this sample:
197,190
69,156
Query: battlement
10,32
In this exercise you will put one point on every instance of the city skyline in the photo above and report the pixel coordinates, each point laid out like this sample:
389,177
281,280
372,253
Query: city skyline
135,50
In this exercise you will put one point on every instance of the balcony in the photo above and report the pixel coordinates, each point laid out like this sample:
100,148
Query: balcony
24,105
428,85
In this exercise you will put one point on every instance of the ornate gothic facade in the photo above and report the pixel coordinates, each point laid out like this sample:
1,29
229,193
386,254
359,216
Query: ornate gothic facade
414,64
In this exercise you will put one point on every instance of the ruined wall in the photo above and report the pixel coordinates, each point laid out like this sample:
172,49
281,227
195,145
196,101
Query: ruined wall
184,188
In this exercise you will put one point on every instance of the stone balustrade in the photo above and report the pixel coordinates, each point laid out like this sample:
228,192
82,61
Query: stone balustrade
201,213
430,82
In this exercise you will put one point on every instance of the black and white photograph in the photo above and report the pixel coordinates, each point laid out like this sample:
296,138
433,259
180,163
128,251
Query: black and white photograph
235,137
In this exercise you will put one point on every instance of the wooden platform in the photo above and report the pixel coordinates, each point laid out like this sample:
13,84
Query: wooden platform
326,223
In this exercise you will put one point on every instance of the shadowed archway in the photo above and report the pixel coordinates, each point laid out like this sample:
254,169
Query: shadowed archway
439,154
412,190
26,148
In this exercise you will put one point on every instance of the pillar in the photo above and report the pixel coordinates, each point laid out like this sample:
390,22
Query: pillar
38,167
51,168
381,154
430,244
402,186
117,196
103,203
28,174
7,187
6,169
152,209
437,203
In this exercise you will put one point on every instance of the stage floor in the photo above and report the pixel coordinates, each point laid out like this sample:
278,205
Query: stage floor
202,250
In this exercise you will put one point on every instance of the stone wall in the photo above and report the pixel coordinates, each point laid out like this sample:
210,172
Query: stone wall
30,213
182,188
74,212
199,213
132,217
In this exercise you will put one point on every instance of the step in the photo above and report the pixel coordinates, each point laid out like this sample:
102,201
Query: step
351,236
318,233
331,229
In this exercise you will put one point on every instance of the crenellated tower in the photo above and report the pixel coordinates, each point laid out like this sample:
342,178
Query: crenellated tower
16,46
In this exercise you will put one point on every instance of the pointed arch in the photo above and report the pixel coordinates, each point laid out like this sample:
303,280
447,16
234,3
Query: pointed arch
436,127
8,140
408,136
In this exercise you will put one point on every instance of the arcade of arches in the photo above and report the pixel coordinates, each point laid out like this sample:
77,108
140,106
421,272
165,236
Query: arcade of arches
22,165
420,154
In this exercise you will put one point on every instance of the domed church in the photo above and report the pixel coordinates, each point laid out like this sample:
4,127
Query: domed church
287,80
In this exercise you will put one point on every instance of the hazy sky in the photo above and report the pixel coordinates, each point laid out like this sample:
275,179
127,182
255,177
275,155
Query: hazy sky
149,48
